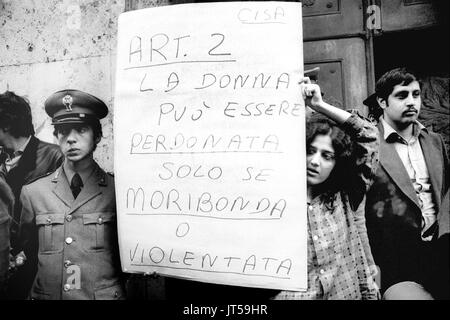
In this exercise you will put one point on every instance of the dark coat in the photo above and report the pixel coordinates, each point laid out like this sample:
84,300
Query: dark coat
393,215
6,210
38,159
74,236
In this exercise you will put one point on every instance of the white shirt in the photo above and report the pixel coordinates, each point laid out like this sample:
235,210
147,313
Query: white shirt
14,161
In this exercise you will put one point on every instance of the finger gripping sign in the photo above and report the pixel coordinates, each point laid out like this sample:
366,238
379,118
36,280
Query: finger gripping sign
209,143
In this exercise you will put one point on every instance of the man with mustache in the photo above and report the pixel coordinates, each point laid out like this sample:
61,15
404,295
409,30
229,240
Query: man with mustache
407,222
71,213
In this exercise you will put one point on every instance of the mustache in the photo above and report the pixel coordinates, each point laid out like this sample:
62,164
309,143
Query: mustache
411,110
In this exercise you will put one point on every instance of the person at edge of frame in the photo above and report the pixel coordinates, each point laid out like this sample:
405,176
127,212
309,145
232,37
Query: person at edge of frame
407,208
23,159
6,211
71,213
338,143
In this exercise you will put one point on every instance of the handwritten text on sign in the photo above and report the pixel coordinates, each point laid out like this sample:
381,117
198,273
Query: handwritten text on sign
209,143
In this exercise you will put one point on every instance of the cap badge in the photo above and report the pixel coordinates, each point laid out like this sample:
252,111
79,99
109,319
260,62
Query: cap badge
67,100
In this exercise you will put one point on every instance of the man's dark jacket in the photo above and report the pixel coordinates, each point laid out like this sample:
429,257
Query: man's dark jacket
6,209
38,159
393,217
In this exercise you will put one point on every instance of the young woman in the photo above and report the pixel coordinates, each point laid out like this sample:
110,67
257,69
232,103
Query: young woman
342,151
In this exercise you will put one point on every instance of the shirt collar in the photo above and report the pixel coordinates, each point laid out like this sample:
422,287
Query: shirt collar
84,174
22,147
20,150
12,160
388,130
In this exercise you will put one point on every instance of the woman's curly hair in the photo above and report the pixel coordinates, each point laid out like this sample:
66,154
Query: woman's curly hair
339,179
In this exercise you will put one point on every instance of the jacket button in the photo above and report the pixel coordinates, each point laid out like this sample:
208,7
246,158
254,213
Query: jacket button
69,240
116,294
67,263
49,221
69,218
100,220
66,287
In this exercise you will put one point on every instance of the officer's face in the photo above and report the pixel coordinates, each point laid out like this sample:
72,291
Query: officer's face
402,106
76,141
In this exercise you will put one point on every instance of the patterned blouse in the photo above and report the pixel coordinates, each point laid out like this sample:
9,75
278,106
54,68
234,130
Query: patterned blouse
339,254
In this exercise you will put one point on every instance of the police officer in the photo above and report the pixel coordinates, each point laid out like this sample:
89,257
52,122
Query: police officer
71,213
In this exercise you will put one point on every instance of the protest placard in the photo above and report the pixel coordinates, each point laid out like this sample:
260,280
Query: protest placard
209,143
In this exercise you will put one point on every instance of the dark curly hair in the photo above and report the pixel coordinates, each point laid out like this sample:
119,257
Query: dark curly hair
318,124
15,115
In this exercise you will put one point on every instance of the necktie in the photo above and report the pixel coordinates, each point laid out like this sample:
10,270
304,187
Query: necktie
76,185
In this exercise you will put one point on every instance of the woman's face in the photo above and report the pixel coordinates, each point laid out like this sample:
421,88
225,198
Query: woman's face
320,160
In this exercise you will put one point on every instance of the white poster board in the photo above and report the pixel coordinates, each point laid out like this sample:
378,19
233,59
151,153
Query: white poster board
209,143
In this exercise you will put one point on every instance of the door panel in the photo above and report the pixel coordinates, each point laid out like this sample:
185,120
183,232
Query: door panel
399,15
332,18
342,74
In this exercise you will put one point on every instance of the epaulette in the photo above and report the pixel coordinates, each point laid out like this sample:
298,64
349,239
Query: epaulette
39,177
102,181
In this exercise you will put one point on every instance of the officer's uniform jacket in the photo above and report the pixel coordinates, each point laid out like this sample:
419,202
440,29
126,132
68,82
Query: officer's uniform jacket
78,251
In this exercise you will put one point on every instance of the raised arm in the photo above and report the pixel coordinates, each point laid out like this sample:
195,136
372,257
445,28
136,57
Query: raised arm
364,135
313,99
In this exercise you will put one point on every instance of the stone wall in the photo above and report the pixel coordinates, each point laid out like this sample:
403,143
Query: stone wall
49,45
